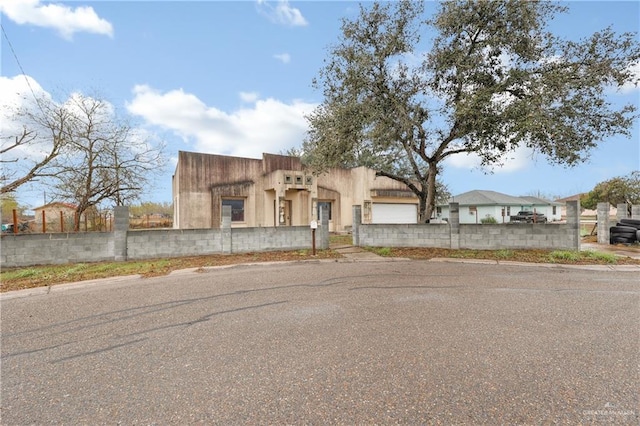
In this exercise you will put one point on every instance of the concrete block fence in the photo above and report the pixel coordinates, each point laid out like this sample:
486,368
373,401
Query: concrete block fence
124,244
565,236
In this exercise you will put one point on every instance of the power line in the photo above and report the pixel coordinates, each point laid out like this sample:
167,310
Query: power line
21,69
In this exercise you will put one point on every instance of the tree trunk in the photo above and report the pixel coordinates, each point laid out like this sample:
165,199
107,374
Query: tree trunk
422,207
431,191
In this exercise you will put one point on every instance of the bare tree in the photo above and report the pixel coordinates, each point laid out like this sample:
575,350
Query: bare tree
103,158
30,154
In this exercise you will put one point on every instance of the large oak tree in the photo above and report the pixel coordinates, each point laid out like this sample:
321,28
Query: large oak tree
493,78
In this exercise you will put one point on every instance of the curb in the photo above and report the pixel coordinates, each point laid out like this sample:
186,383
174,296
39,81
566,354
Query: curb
352,259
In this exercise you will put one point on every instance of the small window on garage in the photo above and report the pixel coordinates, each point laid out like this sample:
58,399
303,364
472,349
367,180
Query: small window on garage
237,208
298,180
308,180
473,210
287,179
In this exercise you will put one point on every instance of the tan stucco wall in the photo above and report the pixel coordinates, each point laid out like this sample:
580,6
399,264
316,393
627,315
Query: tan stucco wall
202,180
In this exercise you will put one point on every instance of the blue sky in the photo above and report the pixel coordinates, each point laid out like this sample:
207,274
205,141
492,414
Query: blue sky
234,78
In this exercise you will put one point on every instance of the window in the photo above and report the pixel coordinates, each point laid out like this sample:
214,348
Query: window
327,207
287,179
553,209
473,210
298,180
308,180
237,209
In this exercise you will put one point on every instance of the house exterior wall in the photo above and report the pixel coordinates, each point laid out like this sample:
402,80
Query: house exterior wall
52,212
495,211
277,191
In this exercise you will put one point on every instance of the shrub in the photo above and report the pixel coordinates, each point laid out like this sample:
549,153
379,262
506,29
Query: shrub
489,220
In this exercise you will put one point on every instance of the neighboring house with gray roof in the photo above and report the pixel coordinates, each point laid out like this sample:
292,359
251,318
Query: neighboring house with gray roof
477,205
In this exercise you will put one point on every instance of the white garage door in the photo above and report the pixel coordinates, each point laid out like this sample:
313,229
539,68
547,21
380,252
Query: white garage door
395,213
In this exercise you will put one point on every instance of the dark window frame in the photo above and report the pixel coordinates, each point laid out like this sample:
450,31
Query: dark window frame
237,208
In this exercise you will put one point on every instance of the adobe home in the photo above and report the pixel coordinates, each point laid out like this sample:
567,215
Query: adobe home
278,190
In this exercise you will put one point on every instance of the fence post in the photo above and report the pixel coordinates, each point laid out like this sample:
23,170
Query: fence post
602,214
355,227
121,228
324,228
622,212
61,221
44,221
15,221
225,230
454,225
573,222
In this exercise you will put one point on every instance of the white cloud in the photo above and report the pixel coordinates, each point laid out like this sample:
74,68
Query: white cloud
282,13
284,57
64,19
249,97
268,126
17,94
513,161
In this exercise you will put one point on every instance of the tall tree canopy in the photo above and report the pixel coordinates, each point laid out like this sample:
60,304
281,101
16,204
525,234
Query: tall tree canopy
618,190
494,78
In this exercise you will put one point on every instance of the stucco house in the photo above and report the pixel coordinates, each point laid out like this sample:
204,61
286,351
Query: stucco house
477,205
52,211
585,213
277,190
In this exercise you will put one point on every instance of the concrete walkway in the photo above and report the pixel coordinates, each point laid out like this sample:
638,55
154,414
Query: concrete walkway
359,254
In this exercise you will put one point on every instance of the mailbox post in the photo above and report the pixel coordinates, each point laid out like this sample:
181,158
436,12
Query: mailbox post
314,226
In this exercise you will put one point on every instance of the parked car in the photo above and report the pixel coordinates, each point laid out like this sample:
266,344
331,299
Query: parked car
7,228
627,231
528,217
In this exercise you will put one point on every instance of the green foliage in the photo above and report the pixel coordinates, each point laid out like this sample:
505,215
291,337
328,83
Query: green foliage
618,190
596,255
8,203
493,79
489,220
383,251
504,254
148,208
566,255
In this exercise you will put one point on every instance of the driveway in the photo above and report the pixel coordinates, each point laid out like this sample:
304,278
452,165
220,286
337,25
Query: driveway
329,343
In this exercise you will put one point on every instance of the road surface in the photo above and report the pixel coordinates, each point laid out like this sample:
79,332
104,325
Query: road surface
329,343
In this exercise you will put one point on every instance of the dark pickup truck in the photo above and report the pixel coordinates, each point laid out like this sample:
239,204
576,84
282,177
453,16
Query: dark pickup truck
528,217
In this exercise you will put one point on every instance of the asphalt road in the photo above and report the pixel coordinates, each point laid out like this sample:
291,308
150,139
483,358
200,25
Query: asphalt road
329,343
